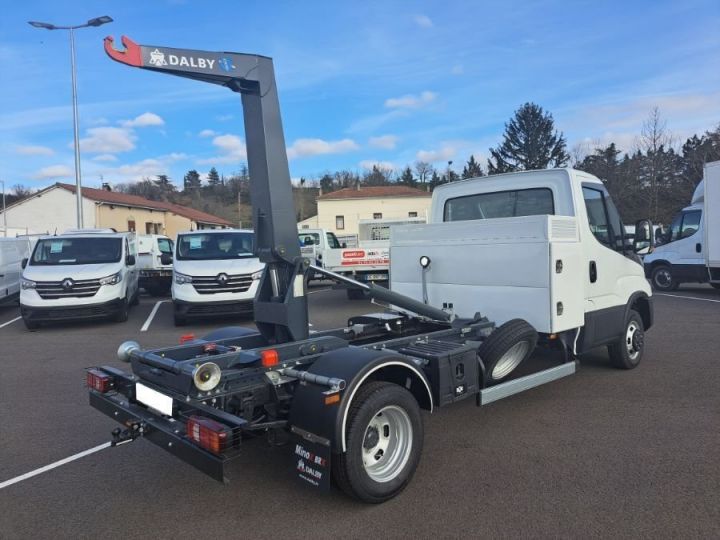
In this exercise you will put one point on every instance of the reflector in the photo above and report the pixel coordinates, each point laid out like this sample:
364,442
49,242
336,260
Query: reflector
207,433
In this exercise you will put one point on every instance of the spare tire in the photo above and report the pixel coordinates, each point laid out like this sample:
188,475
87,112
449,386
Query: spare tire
506,348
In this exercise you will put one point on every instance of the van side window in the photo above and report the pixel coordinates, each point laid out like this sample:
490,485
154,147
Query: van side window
690,224
603,218
500,204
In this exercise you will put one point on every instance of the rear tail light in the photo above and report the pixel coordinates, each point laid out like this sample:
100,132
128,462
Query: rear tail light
207,433
98,380
186,338
269,358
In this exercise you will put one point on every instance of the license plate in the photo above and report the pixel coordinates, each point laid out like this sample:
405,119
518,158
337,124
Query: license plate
154,399
376,277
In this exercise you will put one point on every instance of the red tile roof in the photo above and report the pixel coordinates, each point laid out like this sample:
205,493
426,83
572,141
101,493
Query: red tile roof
377,192
123,199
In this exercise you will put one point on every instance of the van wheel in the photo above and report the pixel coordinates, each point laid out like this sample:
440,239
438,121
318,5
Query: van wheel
662,278
180,320
627,352
136,298
122,314
31,325
506,348
384,443
355,294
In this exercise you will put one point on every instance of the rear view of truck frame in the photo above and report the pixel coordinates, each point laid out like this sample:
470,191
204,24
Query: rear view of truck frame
348,400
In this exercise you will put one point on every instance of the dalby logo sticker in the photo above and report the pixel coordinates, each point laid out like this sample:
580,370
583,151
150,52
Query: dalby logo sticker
157,58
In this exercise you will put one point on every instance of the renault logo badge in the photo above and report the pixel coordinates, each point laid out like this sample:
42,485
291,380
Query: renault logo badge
67,284
222,279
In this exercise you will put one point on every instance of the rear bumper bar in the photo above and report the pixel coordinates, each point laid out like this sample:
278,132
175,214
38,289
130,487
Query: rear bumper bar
168,434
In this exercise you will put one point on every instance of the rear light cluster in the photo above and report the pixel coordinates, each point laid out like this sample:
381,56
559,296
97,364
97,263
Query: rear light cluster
207,433
99,380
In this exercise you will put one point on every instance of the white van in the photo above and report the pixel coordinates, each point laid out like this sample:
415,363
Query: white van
12,252
154,262
690,252
215,272
82,274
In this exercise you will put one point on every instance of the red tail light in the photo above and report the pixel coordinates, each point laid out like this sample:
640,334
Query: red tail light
98,380
269,358
187,337
207,433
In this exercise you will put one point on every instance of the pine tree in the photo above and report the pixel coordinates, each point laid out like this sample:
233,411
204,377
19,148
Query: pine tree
213,177
472,169
407,177
530,142
191,180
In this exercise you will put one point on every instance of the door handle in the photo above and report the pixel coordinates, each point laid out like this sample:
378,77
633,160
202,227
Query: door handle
698,247
593,272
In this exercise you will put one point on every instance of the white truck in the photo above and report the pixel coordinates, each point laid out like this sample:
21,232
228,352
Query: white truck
12,252
369,262
81,274
544,246
690,252
154,263
215,273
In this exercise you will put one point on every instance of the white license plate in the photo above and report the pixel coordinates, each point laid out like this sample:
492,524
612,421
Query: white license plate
154,399
377,277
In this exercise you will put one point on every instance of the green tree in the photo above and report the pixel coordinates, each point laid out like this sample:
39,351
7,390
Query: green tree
213,178
530,142
407,177
191,180
435,180
472,169
378,176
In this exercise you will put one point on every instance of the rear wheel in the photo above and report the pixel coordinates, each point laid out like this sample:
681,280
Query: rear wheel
627,352
662,278
384,443
506,348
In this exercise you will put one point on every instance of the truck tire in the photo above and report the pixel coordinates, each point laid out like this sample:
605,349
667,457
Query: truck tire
384,443
355,294
662,278
627,352
31,325
122,314
506,348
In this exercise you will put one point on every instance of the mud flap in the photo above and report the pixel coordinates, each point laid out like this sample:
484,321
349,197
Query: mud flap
311,459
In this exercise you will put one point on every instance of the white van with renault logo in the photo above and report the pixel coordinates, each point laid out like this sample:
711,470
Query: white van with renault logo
82,274
215,273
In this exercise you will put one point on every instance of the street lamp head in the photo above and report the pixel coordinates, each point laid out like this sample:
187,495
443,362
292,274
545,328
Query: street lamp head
98,21
37,24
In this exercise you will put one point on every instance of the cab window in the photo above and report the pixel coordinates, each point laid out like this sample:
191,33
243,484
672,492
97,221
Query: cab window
332,241
500,204
603,218
685,225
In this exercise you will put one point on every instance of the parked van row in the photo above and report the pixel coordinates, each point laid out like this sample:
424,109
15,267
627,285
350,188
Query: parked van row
98,273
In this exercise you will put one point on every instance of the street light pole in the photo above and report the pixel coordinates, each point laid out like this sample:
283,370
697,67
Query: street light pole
97,21
4,209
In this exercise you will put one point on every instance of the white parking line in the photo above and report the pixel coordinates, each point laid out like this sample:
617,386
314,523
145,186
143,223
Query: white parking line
3,325
688,297
151,316
46,468
320,290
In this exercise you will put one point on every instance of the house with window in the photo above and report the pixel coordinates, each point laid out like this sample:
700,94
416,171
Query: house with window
53,209
340,211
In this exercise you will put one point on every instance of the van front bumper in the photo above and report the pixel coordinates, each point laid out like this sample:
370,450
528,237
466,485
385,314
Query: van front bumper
213,309
60,313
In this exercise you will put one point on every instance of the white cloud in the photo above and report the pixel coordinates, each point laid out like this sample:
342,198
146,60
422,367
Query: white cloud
144,120
315,147
411,101
370,163
231,148
146,168
31,150
105,157
386,142
445,153
224,117
207,133
108,140
54,172
423,21
457,69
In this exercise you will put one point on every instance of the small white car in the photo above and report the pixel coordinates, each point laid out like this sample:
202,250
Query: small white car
215,273
79,275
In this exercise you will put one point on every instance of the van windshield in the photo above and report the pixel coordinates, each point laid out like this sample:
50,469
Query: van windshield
214,246
59,250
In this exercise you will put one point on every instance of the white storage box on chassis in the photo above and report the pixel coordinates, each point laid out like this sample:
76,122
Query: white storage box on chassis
712,214
522,267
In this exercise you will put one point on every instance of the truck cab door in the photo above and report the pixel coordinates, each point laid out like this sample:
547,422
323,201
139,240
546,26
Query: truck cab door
613,272
685,250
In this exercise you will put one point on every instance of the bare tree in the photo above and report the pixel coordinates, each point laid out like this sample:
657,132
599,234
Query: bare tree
424,171
655,141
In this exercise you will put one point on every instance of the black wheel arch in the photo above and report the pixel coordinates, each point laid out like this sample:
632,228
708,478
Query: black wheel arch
643,304
356,366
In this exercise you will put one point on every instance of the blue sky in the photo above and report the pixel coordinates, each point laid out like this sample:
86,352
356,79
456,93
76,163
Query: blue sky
366,82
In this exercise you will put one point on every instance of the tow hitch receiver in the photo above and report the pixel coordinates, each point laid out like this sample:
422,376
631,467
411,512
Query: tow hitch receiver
122,436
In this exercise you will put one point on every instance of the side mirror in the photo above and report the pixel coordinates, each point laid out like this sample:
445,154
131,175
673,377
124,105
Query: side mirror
130,260
343,245
644,237
166,259
24,263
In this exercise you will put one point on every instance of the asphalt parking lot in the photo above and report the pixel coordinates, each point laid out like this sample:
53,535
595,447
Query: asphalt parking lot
605,453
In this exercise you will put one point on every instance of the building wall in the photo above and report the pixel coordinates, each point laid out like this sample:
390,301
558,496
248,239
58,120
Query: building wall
117,217
354,210
175,224
50,212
